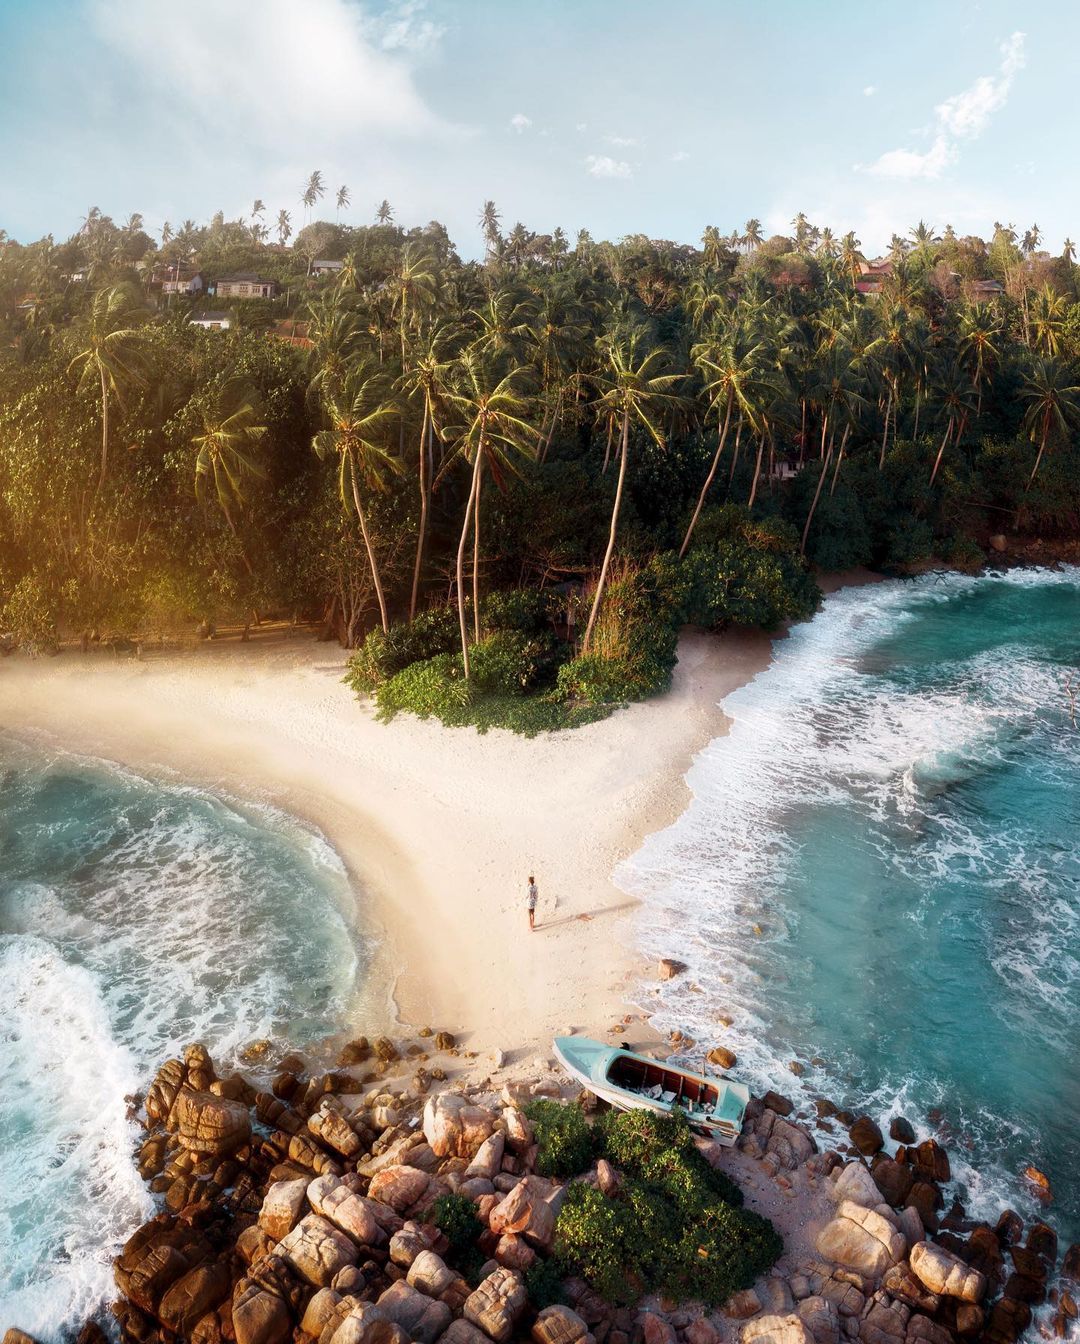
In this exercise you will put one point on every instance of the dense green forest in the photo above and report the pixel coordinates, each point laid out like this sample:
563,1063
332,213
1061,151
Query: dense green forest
508,482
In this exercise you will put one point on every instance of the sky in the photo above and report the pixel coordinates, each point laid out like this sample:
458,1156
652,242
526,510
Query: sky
619,116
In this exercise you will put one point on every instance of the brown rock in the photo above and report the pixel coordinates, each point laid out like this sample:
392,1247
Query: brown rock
931,1161
722,1057
282,1207
925,1199
780,1104
901,1130
420,1316
190,1298
454,1126
945,1273
333,1199
742,1305
776,1330
608,1179
259,1316
866,1136
399,1187
1070,1266
999,542
667,968
893,1179
514,1252
558,1325
656,1330
317,1250
1042,1239
209,1125
497,1304
525,1212
1008,1321
969,1319
900,1283
331,1128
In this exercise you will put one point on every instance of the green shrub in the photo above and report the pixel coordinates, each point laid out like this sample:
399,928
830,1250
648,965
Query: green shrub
456,1217
564,1139
659,1150
383,655
645,1240
510,662
30,616
435,687
543,1281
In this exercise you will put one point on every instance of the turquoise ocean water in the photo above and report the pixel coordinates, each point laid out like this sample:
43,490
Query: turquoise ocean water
897,810
135,916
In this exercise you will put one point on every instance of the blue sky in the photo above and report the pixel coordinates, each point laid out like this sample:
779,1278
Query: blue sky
613,115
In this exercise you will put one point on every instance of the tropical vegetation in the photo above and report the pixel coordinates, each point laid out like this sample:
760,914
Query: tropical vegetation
507,483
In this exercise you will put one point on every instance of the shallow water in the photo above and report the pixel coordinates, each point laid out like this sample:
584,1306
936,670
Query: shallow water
879,871
135,917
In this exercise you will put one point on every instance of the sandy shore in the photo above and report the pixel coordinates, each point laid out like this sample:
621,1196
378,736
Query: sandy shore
439,828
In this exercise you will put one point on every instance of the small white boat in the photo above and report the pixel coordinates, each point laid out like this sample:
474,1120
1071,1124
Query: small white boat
631,1082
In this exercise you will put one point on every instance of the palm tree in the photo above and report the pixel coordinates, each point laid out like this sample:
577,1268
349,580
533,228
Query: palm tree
1048,320
359,414
385,213
490,219
414,285
1053,404
712,247
850,255
560,246
635,389
801,227
341,200
314,190
730,368
953,394
491,432
231,430
112,353
257,209
426,376
924,238
1068,251
284,227
753,235
166,234
980,330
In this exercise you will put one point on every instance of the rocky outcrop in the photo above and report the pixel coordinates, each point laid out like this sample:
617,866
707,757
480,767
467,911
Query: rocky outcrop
456,1127
777,1330
526,1212
945,1273
334,1200
283,1207
558,1325
497,1304
861,1240
316,1250
211,1126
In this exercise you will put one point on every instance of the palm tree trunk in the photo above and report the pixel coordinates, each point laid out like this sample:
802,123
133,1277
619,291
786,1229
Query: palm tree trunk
461,560
104,431
721,439
367,544
1042,449
232,529
422,532
839,459
757,471
941,450
601,582
918,408
885,436
607,447
476,551
735,454
814,504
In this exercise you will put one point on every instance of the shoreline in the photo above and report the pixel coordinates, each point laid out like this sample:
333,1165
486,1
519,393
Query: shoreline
438,828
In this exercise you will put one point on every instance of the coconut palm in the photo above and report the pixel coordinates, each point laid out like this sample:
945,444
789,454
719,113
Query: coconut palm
341,200
384,214
712,246
284,227
980,349
414,286
753,235
731,370
113,352
1053,404
1048,320
314,190
258,209
924,238
426,378
635,389
490,432
360,413
953,394
232,429
850,255
1068,251
490,220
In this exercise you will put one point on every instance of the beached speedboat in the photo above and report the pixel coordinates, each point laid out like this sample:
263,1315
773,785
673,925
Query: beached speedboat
630,1082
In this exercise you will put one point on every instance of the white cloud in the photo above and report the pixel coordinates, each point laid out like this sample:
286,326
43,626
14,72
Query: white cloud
680,156
336,74
581,126
603,165
963,116
403,29
621,141
520,122
869,91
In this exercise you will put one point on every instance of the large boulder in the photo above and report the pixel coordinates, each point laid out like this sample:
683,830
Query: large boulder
332,1198
497,1304
317,1250
421,1317
776,1330
526,1212
894,1180
282,1207
163,1091
656,1330
946,1274
901,1284
259,1316
857,1185
862,1240
866,1136
487,1163
456,1127
399,1187
211,1126
430,1274
461,1332
190,1298
821,1318
331,1128
558,1325
365,1323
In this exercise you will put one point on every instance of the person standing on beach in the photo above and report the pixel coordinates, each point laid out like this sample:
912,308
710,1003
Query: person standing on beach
531,897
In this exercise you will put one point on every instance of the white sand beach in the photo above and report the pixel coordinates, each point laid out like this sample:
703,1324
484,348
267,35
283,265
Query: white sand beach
440,828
